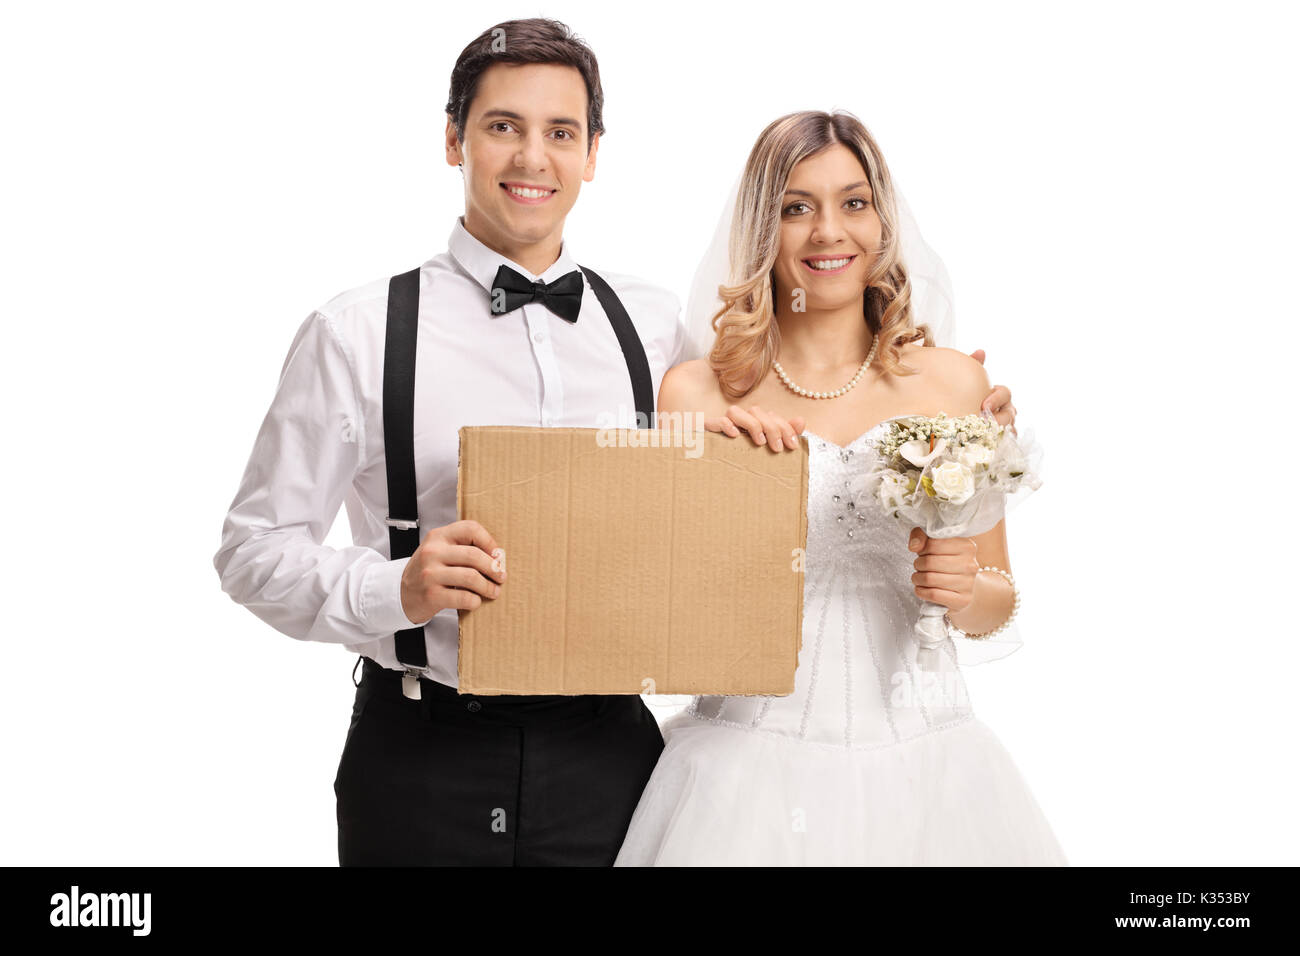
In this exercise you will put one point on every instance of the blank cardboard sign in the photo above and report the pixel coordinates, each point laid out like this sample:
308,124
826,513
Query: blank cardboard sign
655,561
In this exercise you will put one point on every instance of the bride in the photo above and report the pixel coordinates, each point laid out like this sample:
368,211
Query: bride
869,761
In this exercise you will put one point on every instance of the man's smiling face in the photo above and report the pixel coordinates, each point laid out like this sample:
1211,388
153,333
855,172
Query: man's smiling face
525,155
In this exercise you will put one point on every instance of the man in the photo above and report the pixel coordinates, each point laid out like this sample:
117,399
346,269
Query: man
429,776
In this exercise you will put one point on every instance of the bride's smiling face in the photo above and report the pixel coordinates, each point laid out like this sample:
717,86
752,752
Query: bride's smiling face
830,233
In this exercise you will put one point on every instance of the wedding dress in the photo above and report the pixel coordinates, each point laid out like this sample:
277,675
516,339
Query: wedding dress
870,761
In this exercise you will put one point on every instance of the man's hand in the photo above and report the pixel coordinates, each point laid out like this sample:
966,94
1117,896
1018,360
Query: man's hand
457,566
999,400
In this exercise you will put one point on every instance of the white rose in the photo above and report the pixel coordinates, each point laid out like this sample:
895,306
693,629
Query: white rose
953,482
973,456
893,489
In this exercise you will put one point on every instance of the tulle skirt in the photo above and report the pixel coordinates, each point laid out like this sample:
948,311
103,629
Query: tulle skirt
728,796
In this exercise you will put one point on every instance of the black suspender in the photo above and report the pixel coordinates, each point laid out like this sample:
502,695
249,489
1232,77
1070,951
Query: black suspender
633,352
403,518
399,450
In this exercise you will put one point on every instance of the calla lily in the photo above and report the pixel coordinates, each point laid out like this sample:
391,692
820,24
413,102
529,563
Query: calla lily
918,451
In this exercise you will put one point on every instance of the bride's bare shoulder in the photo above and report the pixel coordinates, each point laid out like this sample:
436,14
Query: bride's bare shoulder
949,374
937,357
688,386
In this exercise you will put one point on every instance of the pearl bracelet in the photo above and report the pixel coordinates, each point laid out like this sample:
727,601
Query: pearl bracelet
1015,607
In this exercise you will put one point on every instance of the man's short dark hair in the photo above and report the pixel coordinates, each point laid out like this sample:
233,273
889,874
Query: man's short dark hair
536,40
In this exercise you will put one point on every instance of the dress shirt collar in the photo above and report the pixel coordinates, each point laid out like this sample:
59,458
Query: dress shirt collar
482,263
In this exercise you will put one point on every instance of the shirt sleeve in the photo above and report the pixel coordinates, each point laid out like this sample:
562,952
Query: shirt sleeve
681,339
307,453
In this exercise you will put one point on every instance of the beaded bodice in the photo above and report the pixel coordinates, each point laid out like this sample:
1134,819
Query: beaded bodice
857,683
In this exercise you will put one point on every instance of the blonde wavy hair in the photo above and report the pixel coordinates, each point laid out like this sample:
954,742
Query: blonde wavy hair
748,338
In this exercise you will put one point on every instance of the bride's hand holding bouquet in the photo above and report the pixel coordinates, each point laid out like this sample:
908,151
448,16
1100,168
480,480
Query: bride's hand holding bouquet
950,479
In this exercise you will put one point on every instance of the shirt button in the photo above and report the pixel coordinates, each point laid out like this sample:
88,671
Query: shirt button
538,336
474,706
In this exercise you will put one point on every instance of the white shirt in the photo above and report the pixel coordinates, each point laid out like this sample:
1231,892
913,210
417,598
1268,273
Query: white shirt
321,443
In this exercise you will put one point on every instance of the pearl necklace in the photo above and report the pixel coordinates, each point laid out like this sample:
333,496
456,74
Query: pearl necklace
866,363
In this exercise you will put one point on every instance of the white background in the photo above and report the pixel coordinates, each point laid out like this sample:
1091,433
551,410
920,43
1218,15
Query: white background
1112,187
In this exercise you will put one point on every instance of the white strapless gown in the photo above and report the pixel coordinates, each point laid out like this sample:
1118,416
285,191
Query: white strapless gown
866,763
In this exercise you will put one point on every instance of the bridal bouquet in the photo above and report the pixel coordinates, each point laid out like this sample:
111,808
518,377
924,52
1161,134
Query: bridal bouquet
951,477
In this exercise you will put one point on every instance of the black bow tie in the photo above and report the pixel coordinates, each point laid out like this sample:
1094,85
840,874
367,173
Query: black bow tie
563,296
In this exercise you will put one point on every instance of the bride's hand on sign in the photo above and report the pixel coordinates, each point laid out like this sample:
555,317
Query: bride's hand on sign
763,428
457,566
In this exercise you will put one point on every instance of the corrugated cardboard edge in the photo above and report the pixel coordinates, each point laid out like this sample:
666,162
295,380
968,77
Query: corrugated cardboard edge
460,514
803,544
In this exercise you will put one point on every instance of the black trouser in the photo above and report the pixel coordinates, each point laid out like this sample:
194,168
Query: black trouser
494,780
